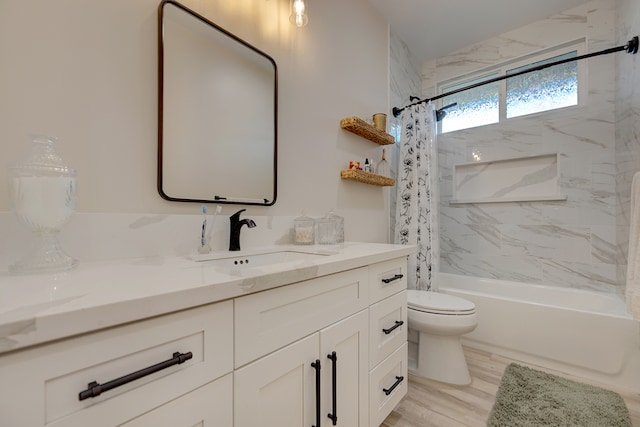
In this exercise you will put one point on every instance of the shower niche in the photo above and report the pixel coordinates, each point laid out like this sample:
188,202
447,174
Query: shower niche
532,178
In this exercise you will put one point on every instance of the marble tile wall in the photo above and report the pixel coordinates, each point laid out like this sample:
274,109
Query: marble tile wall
577,242
97,237
627,148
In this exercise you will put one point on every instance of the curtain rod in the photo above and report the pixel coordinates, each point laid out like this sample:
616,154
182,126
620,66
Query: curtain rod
631,47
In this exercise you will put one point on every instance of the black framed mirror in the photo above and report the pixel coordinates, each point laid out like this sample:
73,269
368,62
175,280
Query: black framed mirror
217,113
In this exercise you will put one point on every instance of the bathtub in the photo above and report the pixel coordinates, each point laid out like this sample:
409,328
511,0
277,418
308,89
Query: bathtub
582,333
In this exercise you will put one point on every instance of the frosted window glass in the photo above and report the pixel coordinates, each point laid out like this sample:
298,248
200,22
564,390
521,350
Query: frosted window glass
476,107
547,89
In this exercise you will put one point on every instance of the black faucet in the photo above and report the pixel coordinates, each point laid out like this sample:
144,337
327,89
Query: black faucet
236,225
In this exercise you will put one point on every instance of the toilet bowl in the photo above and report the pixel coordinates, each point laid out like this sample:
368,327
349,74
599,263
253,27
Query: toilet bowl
440,320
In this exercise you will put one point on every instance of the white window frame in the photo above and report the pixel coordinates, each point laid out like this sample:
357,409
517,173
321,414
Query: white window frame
579,46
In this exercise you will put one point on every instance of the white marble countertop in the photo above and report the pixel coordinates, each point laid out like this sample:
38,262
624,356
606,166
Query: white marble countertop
43,307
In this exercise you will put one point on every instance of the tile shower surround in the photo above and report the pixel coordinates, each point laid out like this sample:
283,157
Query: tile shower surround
580,242
627,148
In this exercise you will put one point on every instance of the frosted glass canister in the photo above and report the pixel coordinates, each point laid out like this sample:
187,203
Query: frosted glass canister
303,230
43,192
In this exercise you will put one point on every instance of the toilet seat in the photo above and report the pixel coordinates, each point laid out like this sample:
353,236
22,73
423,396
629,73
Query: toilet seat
438,303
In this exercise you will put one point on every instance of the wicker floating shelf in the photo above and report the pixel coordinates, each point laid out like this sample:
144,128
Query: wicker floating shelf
367,178
360,127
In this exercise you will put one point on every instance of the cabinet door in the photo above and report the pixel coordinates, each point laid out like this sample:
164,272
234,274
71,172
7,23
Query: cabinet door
208,406
278,390
349,339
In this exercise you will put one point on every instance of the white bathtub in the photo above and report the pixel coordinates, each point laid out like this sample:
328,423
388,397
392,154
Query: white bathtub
582,333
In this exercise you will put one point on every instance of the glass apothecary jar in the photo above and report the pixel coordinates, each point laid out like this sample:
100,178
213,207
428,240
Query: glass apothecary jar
43,192
303,230
338,222
330,229
325,231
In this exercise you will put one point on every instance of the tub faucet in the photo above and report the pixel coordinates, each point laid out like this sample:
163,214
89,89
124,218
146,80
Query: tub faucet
236,224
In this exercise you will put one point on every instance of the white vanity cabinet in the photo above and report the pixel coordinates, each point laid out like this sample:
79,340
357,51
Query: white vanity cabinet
245,360
282,334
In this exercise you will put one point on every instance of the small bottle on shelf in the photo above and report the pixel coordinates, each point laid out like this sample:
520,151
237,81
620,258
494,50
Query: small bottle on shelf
367,166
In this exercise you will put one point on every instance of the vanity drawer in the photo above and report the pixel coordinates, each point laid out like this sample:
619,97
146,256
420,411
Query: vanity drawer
387,278
387,385
210,405
269,320
42,386
387,327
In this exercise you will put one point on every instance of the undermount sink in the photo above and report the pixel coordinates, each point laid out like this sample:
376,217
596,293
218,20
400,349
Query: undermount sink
255,260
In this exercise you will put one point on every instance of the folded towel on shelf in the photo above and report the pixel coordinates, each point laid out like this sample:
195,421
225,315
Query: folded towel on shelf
633,259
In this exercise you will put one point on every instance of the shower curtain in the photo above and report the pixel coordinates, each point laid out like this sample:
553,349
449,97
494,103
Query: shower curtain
417,194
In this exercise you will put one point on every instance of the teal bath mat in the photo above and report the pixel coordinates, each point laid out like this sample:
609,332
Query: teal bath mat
531,398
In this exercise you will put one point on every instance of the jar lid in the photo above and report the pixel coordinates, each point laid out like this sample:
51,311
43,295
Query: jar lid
333,216
42,159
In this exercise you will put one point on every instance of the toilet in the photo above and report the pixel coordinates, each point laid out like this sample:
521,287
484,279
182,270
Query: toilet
440,319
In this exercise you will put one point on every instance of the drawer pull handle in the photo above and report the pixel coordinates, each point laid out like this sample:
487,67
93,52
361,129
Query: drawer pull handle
316,366
94,389
394,278
396,325
334,388
389,390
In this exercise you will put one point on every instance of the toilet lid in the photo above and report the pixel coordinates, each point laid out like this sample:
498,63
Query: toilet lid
438,303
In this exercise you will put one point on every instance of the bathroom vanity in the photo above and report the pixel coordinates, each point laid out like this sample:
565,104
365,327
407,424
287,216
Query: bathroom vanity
276,338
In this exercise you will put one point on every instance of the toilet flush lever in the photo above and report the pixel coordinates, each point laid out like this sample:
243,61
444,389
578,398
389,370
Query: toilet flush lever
394,278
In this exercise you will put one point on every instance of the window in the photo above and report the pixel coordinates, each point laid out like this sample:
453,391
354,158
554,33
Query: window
551,88
476,107
546,89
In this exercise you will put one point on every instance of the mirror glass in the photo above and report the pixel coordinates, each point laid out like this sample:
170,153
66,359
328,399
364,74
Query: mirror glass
217,139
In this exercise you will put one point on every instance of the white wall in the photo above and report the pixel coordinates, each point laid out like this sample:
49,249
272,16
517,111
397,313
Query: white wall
86,71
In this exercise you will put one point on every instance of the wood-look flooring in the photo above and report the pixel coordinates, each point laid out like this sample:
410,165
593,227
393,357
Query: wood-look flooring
434,404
